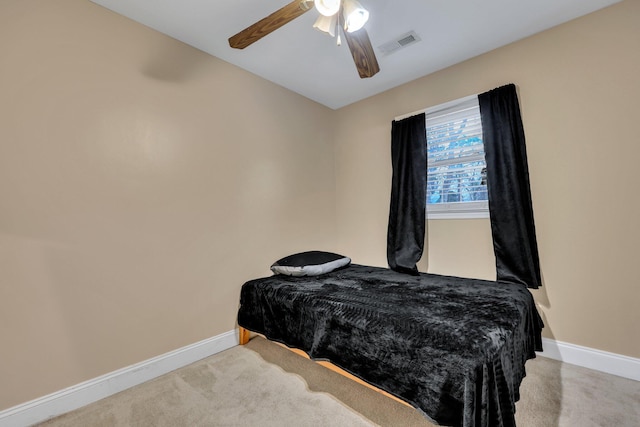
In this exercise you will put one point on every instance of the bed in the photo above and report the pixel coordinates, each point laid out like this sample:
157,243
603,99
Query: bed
453,348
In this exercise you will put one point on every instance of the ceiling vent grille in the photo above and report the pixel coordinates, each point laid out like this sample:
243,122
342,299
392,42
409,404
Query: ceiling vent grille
401,42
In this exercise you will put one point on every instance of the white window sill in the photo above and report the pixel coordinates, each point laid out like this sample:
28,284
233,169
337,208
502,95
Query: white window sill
457,215
465,210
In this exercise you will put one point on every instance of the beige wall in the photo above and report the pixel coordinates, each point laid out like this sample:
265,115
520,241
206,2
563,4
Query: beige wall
141,183
579,88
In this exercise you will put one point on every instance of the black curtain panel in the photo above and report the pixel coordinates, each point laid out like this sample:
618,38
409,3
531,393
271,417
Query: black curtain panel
512,225
406,233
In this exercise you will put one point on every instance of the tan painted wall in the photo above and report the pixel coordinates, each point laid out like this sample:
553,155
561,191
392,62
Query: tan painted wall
141,183
579,88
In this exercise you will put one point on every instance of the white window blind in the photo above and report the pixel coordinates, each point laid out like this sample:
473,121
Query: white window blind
456,179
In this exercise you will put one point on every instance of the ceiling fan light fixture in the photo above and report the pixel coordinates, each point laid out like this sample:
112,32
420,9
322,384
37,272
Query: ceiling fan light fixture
327,24
327,7
355,16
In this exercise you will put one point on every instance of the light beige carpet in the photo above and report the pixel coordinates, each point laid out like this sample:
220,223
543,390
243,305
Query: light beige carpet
262,384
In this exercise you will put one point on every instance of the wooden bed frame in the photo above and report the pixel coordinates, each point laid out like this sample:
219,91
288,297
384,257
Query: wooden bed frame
245,336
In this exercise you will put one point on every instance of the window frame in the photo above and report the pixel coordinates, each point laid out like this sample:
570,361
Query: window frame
458,210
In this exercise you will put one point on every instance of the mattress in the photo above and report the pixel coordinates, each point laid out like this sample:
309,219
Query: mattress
454,348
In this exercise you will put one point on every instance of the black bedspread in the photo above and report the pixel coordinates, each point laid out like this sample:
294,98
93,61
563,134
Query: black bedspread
454,348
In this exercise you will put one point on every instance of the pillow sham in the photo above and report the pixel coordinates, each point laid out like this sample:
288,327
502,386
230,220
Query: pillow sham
311,263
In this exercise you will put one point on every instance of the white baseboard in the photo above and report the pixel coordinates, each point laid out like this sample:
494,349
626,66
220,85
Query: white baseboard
603,361
82,394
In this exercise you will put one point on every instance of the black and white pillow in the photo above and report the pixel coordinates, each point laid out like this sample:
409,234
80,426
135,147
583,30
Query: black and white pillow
311,263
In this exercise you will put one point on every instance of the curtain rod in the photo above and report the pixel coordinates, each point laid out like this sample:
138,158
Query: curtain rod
438,107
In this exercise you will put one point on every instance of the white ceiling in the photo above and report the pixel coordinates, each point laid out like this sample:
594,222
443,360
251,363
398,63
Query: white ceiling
308,62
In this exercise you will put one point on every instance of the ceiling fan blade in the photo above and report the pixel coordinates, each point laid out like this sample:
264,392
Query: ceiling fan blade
362,52
269,24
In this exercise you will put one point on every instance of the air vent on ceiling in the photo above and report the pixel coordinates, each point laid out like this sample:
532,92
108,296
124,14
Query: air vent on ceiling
403,41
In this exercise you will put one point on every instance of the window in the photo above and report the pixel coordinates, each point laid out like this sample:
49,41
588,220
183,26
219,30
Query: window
456,168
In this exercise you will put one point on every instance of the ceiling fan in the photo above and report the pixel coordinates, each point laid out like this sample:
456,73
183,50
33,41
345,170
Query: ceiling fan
347,15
